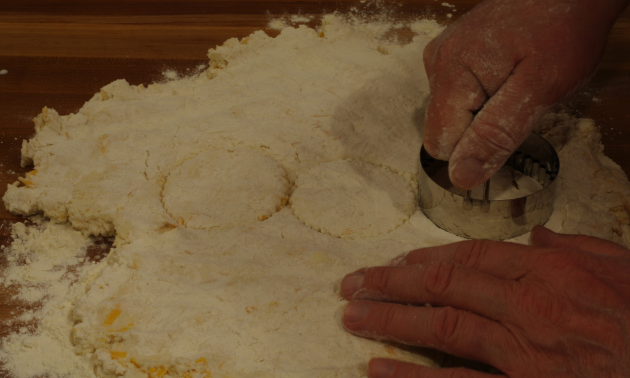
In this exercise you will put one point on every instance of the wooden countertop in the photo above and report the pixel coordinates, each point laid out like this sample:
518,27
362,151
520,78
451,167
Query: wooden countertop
59,53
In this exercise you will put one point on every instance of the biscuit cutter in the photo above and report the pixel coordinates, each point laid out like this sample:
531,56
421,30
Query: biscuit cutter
493,219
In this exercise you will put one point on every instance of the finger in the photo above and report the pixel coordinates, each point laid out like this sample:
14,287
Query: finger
500,259
497,130
455,95
454,331
437,283
543,237
449,112
428,57
386,368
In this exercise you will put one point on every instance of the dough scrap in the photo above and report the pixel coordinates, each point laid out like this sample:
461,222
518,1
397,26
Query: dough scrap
352,199
222,189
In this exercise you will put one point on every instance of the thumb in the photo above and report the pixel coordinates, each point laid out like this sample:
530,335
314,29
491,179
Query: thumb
543,237
497,130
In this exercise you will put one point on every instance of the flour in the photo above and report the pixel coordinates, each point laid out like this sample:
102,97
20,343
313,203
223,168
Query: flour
46,261
170,74
36,251
259,297
300,18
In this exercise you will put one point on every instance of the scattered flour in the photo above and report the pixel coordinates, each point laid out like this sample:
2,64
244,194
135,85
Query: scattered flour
277,24
288,20
44,260
300,18
170,74
36,251
258,298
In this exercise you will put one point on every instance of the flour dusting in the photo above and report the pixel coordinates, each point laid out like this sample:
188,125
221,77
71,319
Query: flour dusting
226,193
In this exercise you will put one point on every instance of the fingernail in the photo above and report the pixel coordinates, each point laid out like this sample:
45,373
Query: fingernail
381,368
467,173
356,311
351,284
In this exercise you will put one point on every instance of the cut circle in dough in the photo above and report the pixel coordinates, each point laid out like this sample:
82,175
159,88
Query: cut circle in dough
222,189
352,199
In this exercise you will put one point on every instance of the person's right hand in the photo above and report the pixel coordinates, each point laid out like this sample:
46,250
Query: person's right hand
497,70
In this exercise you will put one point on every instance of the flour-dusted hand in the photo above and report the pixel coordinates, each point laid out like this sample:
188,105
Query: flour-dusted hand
560,308
499,68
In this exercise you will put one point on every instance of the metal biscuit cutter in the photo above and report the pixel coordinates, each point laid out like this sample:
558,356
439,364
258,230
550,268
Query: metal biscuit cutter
483,218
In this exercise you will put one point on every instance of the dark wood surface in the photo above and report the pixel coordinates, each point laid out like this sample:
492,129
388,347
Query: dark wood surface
59,53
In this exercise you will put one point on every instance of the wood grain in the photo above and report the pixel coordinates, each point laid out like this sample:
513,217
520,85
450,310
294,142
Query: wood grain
59,53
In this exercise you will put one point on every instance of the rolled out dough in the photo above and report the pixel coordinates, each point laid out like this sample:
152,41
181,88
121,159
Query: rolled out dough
199,284
352,199
222,189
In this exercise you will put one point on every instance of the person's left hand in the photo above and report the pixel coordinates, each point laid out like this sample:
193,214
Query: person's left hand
559,308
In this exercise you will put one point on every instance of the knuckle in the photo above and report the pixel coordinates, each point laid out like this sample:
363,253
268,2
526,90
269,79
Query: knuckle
377,280
445,50
472,253
439,56
500,139
540,304
553,78
446,326
387,320
438,278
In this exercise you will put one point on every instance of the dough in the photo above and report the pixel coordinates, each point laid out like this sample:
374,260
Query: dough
338,110
352,199
222,189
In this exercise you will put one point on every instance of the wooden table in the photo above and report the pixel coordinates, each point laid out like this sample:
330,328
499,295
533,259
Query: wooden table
59,53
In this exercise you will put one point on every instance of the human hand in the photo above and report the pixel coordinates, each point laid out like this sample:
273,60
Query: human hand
497,70
559,308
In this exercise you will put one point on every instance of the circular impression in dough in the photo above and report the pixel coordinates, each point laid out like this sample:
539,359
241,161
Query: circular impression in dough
352,199
222,189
